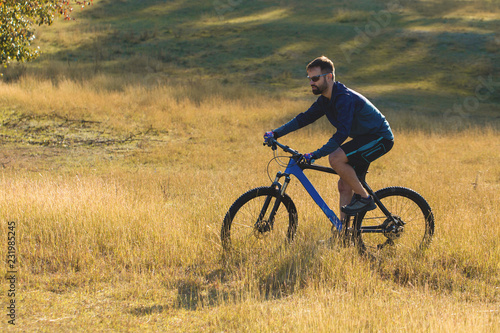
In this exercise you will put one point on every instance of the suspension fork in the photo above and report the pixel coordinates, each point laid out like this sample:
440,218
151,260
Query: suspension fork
281,189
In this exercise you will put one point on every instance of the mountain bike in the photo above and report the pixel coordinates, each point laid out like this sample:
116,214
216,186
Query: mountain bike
402,220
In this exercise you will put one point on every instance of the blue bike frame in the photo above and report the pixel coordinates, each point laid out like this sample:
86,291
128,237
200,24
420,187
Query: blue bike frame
297,170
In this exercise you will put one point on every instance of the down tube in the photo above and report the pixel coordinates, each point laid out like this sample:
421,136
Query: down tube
295,170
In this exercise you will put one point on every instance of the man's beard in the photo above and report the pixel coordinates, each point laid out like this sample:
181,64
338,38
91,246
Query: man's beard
317,91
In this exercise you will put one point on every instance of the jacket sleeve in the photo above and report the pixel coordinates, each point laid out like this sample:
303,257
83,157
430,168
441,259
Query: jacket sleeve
311,115
290,126
303,119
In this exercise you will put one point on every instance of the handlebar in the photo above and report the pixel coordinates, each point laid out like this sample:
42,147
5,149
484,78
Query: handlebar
298,157
273,143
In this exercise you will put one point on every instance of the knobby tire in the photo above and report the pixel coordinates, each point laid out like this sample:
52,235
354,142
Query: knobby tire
241,223
407,205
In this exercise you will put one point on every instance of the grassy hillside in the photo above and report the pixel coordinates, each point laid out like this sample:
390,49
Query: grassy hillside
124,145
421,56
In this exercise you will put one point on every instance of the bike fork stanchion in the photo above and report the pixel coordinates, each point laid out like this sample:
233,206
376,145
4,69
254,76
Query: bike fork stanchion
278,200
276,185
263,211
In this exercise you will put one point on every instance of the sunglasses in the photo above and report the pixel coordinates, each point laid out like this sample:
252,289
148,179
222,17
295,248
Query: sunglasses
316,77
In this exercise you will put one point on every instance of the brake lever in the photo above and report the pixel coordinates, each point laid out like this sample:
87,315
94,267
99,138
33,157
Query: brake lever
269,144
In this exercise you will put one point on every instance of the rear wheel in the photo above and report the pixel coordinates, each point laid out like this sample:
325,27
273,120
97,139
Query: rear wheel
248,228
410,229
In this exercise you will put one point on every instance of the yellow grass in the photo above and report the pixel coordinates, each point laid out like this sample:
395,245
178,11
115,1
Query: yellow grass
126,237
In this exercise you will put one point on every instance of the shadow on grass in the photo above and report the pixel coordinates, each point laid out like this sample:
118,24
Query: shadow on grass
149,310
282,278
194,293
236,281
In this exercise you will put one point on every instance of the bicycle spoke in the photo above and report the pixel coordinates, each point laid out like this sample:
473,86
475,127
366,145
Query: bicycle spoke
250,233
406,206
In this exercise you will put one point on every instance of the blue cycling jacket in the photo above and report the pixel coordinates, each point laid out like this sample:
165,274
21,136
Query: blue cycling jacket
348,111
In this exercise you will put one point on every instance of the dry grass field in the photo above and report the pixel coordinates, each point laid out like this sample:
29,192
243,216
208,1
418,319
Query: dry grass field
118,182
118,224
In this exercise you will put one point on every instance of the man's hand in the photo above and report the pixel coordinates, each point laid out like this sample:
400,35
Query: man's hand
268,136
309,158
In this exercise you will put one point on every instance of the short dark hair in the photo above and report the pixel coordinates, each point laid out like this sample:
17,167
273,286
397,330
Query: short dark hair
324,63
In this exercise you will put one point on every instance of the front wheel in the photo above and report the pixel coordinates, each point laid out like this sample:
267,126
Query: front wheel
413,227
249,226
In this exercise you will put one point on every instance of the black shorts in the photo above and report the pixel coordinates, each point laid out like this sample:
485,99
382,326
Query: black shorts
364,149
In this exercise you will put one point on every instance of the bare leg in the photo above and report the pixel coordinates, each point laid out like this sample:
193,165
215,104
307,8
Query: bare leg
345,192
349,181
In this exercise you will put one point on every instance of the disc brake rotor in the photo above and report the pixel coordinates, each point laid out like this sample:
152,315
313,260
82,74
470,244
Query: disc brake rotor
393,228
261,228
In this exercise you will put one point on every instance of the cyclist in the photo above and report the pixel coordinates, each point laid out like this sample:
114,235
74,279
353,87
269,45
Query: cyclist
353,116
